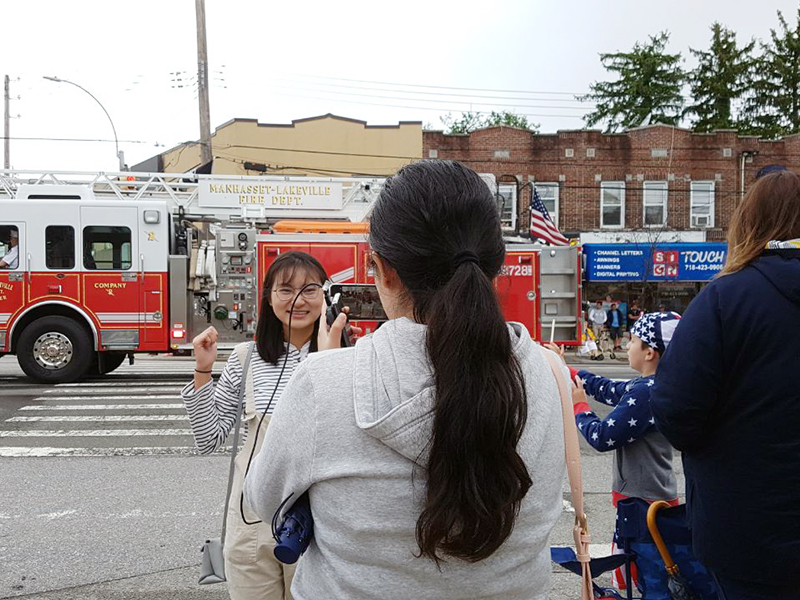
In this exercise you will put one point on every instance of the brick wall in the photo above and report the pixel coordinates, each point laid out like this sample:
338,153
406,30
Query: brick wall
657,152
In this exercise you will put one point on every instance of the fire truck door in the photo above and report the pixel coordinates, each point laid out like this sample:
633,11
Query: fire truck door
14,275
112,279
517,289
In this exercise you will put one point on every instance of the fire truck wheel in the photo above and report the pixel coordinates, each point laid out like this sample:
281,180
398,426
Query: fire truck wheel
54,350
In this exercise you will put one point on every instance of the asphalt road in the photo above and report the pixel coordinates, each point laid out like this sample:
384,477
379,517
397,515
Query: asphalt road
103,496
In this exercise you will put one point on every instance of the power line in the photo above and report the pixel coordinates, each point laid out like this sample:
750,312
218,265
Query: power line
427,93
51,139
444,87
439,110
450,102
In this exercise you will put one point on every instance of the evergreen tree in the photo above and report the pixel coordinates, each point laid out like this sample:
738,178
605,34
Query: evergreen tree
648,88
721,76
772,107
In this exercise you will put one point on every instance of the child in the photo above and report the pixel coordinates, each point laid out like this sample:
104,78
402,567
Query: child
643,460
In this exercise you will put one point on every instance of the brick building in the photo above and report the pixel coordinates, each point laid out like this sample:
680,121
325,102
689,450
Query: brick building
657,180
655,191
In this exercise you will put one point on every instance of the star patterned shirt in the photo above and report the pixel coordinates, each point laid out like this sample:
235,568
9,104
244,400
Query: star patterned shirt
629,421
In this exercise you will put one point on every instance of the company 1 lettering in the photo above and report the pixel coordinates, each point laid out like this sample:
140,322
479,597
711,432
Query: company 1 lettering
110,286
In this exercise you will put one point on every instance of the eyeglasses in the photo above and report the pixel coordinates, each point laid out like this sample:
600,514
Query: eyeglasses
286,293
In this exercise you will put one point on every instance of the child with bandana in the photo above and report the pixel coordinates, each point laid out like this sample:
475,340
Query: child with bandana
643,457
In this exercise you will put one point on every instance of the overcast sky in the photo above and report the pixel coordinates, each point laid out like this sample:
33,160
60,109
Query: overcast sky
279,61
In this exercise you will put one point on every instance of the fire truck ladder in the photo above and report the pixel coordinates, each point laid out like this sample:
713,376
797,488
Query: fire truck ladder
181,190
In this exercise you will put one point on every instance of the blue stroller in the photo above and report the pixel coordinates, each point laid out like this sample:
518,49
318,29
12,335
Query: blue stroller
657,539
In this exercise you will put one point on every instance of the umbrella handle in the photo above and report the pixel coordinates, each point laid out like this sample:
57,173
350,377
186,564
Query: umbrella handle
652,526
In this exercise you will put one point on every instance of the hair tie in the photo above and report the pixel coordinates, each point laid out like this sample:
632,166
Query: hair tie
465,256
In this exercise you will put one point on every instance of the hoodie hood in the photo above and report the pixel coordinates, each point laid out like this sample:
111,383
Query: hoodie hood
393,384
782,269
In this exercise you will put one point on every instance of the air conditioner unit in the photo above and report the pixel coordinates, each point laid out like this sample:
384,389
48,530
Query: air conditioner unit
701,221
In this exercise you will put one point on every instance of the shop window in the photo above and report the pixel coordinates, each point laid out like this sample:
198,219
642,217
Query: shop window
107,248
702,204
548,194
612,204
59,244
9,247
655,203
507,203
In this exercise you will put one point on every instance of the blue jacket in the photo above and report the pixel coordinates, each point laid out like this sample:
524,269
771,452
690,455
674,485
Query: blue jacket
643,459
610,318
726,395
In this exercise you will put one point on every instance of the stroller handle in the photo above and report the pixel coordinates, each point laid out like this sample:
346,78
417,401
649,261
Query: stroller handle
652,526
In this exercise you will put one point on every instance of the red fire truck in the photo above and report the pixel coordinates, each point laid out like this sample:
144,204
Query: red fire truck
95,267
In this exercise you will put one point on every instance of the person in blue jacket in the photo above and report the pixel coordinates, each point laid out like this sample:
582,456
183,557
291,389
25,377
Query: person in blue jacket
726,395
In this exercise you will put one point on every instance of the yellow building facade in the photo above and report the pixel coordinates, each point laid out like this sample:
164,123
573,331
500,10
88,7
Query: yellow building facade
327,145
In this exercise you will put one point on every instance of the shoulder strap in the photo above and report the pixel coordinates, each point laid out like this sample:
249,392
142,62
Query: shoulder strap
245,353
580,531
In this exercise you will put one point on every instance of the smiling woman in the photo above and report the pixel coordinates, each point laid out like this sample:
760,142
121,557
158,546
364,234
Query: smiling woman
288,330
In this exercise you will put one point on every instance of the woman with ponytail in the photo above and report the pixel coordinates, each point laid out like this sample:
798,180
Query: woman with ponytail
432,451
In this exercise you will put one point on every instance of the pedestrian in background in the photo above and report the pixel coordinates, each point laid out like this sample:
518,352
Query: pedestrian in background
252,571
726,395
614,322
432,451
598,317
634,312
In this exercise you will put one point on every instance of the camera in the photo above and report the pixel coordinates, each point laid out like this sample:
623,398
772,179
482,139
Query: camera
295,532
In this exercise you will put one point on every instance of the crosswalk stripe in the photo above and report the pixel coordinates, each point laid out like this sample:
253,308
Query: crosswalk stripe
101,384
109,397
96,418
93,432
132,406
43,451
128,389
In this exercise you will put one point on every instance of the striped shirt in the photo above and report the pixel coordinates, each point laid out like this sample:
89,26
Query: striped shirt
212,409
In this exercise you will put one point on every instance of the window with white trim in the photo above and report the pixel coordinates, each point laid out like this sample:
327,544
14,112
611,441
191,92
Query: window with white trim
655,203
702,204
507,204
612,204
548,194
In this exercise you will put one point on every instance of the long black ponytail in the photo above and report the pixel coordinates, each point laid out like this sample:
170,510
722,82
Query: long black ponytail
436,223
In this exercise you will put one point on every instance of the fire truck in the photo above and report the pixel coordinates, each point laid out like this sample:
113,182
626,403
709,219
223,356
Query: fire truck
96,267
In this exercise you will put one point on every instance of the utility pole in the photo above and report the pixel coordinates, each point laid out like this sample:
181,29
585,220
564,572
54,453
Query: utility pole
202,83
7,130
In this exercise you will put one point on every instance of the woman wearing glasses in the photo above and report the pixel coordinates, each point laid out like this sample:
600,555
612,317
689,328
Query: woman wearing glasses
250,566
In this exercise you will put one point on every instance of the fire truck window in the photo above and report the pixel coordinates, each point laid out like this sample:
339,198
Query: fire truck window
9,249
59,242
107,248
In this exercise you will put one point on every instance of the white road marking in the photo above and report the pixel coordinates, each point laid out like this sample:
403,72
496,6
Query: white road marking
131,406
128,389
109,384
598,550
45,452
94,432
108,397
96,418
57,515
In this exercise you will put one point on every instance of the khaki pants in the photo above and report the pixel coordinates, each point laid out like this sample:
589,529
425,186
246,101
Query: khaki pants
251,568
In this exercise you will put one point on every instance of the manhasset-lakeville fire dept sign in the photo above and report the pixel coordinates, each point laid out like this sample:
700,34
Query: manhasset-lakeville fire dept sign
286,195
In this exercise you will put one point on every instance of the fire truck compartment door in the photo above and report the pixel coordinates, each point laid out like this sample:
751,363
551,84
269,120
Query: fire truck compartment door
113,282
13,282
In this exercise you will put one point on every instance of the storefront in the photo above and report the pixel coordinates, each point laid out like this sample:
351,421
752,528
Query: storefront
653,275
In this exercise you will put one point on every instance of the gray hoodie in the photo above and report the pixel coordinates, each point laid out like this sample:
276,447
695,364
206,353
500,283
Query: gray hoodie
348,429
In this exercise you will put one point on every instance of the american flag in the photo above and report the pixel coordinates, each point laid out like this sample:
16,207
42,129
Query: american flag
542,226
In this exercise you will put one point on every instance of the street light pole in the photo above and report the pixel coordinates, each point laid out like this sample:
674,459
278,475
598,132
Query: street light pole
120,155
202,83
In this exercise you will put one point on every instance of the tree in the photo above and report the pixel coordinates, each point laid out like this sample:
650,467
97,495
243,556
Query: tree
772,108
470,121
648,87
721,76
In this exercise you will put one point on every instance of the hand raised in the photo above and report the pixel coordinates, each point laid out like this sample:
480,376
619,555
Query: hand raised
205,349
